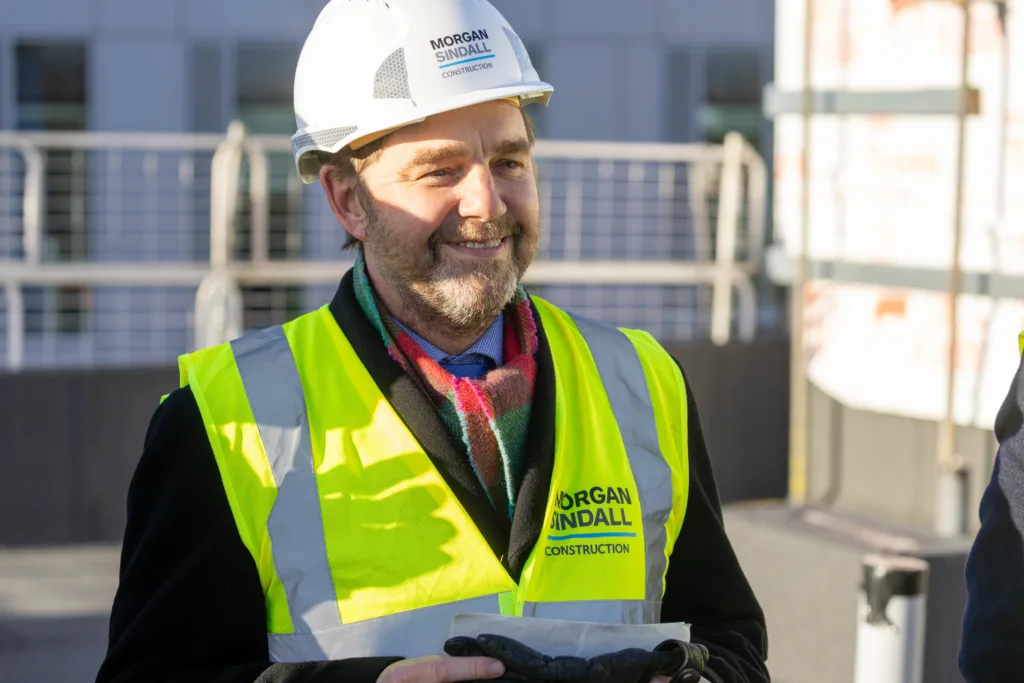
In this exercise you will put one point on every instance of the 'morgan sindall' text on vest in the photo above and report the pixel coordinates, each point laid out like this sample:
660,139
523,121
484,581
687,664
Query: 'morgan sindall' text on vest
596,507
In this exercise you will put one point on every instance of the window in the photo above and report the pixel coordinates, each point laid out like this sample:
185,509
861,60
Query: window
265,75
732,97
51,86
52,95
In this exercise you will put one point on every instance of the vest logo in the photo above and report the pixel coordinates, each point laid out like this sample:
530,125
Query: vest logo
468,47
594,513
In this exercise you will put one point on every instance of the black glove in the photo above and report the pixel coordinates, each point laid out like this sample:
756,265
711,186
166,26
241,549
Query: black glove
681,662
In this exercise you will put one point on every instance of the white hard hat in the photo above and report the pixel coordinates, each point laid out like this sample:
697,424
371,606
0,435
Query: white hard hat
371,66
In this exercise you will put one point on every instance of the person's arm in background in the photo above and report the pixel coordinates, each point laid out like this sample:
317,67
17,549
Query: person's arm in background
190,605
993,625
705,585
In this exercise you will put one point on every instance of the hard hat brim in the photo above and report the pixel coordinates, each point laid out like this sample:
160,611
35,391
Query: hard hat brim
307,162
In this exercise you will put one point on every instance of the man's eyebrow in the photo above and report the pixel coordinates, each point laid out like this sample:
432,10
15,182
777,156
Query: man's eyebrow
520,146
427,157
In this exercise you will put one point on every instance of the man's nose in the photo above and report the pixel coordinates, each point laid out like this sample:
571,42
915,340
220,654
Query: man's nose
479,197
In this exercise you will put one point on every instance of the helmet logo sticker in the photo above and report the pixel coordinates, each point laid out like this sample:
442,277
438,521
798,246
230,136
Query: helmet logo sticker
462,53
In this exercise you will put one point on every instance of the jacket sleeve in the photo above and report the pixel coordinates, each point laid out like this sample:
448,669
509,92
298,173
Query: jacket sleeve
705,585
190,605
993,624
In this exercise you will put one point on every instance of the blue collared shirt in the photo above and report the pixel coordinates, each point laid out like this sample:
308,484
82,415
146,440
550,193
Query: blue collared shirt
486,353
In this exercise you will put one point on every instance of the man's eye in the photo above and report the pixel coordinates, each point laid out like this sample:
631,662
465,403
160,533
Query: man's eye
439,173
511,164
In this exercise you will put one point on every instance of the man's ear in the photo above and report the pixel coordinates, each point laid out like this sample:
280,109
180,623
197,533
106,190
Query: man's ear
346,201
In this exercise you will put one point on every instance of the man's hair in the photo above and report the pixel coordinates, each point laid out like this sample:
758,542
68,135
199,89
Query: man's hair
348,163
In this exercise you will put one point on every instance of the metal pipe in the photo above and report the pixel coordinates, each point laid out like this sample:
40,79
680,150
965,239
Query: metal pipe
834,482
730,188
998,227
697,194
757,203
949,518
1004,119
545,149
101,140
798,462
891,620
175,274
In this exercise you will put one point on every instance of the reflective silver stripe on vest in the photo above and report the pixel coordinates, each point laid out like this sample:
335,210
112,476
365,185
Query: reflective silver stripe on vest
597,611
274,389
416,633
626,385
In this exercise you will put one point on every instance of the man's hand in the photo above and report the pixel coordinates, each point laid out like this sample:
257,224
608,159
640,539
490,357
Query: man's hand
442,670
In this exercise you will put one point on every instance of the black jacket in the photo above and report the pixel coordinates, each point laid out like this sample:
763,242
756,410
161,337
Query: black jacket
190,606
993,625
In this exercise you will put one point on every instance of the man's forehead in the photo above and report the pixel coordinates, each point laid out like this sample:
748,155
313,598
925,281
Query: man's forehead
442,147
487,124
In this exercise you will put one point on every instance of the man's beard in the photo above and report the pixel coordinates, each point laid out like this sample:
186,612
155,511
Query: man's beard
460,295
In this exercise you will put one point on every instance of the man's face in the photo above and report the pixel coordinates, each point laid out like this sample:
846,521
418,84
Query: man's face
452,217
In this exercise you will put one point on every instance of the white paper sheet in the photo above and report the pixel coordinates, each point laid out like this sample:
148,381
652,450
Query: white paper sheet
569,638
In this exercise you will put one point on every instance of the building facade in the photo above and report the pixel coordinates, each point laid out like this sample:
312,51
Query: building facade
646,70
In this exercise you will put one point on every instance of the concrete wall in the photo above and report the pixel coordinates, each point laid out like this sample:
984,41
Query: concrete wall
70,447
805,567
884,466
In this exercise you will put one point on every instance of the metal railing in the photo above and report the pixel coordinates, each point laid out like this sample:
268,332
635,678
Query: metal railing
186,232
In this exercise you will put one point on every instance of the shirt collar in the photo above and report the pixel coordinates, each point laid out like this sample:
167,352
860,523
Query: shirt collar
490,345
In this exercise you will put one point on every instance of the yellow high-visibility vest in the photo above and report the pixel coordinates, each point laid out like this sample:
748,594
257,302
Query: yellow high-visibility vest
362,548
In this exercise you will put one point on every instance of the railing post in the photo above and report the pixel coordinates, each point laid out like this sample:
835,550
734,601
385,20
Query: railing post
224,181
746,312
259,197
218,307
32,203
15,326
729,195
219,310
891,620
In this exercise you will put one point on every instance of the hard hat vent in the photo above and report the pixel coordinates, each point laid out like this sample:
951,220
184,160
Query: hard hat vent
322,138
522,56
392,79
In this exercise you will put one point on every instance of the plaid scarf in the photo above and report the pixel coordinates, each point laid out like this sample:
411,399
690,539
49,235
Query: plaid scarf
490,415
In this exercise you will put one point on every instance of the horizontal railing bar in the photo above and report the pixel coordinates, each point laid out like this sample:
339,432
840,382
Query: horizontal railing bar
330,272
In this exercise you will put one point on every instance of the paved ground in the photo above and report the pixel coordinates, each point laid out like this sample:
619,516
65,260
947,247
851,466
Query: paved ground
54,604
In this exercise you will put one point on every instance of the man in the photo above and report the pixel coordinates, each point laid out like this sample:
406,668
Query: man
319,500
993,625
